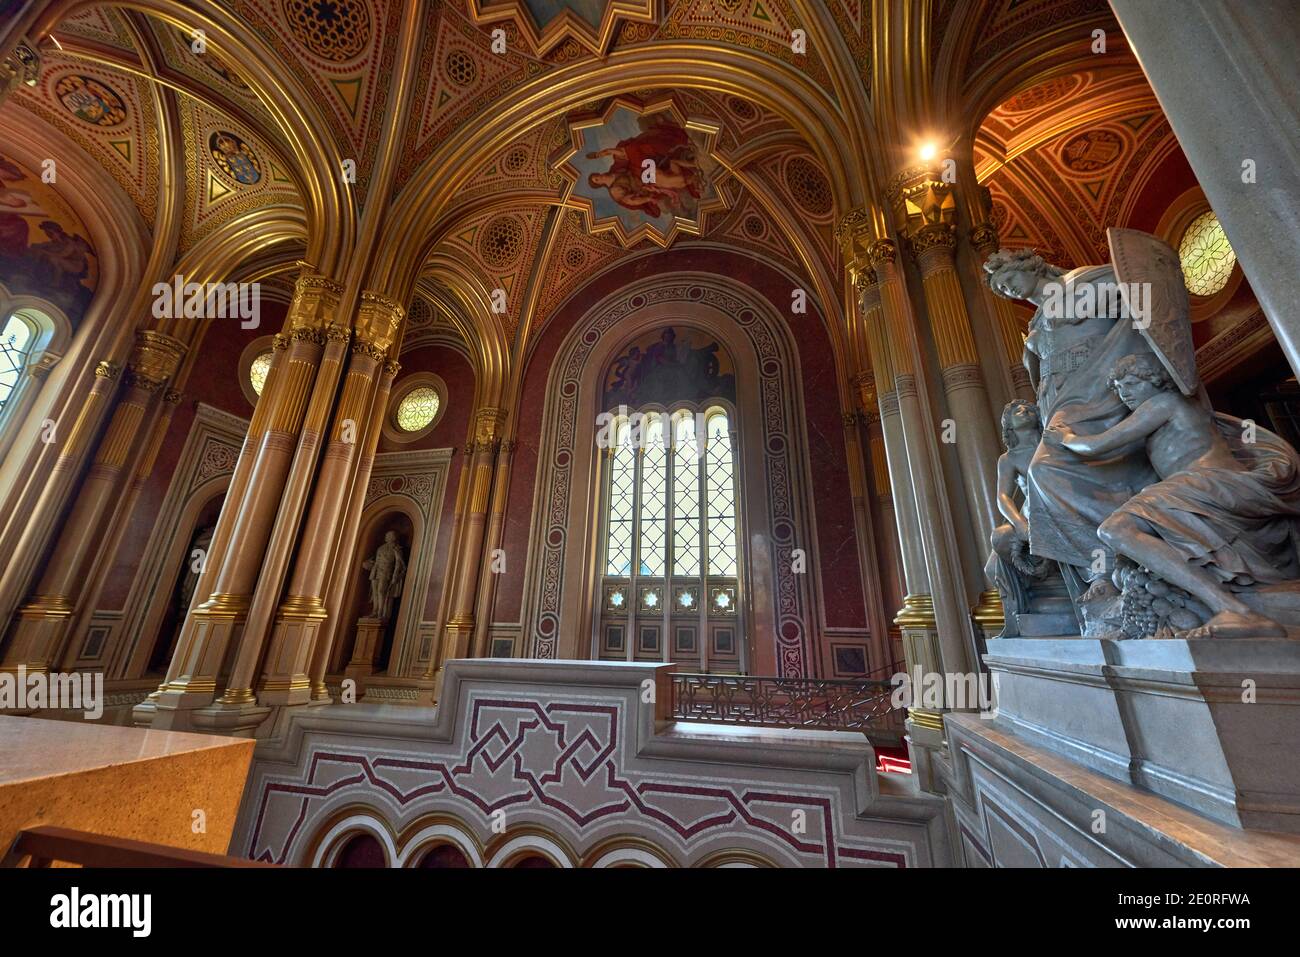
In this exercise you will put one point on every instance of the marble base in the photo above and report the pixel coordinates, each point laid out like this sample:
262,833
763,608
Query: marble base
1210,724
121,782
1018,805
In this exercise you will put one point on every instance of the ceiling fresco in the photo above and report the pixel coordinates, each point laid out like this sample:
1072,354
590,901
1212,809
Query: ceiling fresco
642,171
44,248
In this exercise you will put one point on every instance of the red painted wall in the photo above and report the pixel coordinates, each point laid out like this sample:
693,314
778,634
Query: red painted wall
830,492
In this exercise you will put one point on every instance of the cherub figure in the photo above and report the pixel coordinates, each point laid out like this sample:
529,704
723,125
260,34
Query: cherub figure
1220,519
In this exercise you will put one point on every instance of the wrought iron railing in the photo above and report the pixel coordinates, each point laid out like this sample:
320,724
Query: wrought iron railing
861,705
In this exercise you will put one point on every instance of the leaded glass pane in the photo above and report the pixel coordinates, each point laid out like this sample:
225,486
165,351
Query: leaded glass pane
686,499
14,343
257,371
1207,257
721,497
417,409
654,500
618,553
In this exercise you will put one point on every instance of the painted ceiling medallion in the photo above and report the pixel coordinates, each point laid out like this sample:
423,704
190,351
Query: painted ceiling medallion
642,171
546,23
235,158
91,101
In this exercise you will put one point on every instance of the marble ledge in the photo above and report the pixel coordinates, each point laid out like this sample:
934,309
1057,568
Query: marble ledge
125,782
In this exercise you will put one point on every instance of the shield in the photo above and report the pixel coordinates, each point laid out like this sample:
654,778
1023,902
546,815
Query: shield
1162,308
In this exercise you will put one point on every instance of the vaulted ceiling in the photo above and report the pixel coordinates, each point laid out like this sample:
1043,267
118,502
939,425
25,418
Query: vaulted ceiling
450,122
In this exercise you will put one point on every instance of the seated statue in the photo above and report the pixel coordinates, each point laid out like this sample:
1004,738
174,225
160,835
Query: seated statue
1224,517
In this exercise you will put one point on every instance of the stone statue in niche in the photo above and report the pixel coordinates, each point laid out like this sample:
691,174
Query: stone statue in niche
1033,598
387,570
1179,521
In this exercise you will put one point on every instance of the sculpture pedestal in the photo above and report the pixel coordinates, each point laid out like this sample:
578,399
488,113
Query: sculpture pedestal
1210,724
365,651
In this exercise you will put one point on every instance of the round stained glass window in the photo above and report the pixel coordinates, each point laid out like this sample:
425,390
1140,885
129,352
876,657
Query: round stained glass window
418,409
1206,255
257,372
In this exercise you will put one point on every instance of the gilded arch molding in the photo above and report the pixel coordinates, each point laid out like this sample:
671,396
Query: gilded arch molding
686,65
330,209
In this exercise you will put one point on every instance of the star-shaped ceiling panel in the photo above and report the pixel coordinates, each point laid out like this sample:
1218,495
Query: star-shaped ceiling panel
642,171
545,24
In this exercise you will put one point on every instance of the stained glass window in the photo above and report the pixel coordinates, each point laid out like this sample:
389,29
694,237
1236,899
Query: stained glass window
686,499
672,504
654,500
1206,255
15,343
257,372
721,496
622,489
418,409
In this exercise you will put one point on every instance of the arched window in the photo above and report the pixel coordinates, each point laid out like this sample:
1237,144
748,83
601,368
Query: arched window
671,570
15,347
29,338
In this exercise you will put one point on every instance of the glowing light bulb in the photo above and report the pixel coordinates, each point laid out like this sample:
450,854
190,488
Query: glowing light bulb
928,152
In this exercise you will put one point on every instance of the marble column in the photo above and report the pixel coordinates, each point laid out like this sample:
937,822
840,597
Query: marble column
937,628
297,624
43,622
1226,76
213,627
1011,329
481,454
492,542
339,566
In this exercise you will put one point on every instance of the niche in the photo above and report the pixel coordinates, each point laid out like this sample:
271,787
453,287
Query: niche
184,578
357,604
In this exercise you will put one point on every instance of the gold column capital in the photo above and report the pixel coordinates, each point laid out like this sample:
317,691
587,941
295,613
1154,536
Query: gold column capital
883,252
154,360
984,238
854,231
378,319
934,245
315,302
488,425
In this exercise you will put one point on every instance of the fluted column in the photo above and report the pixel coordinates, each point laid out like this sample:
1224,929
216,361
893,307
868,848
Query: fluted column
1010,328
491,542
963,385
214,625
916,578
481,452
891,564
936,632
42,622
285,679
339,564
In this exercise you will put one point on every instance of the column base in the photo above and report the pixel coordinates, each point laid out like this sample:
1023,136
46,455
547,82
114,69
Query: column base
239,718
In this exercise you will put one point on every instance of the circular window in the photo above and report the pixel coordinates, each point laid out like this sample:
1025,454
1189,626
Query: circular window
257,371
1206,255
417,407
254,366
